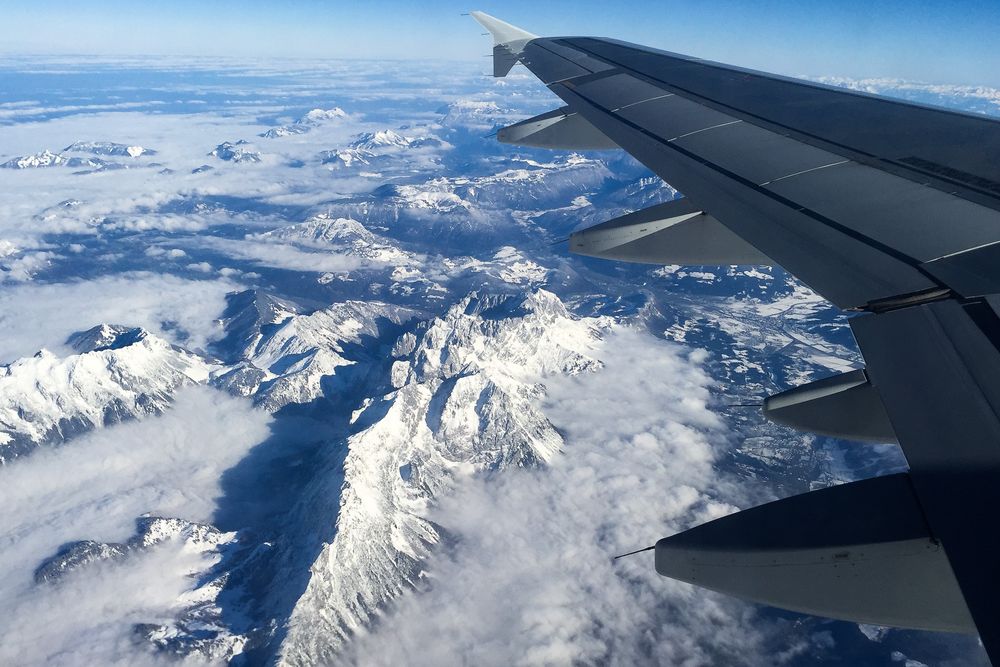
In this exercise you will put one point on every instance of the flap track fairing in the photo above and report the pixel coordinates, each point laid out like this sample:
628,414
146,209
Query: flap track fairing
560,129
843,406
859,552
676,232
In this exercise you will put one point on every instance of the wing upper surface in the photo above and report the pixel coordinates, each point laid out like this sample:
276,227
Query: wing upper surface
862,198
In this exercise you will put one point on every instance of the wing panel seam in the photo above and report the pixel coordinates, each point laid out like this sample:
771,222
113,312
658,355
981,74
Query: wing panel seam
706,129
804,171
656,97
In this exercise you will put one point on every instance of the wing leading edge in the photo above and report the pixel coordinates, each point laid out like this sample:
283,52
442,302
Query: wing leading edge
885,208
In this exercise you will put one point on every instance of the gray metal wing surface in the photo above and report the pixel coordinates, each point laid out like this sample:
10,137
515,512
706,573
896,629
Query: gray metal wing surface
887,209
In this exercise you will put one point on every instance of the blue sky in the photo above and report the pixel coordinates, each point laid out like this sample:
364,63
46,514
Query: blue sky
946,42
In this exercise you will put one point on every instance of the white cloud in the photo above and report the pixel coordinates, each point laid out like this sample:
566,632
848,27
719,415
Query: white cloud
34,316
95,488
530,579
26,266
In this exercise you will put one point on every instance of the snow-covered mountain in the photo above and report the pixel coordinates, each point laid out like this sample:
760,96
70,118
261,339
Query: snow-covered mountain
45,158
375,141
150,531
249,317
116,373
345,157
198,628
318,345
465,212
108,148
307,122
317,116
465,399
283,357
322,230
377,149
476,115
507,265
235,152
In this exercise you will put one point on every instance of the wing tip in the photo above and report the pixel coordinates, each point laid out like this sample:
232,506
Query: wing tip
504,34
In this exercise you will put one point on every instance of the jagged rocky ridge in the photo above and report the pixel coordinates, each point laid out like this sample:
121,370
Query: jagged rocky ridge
465,399
379,149
463,396
303,356
287,358
198,628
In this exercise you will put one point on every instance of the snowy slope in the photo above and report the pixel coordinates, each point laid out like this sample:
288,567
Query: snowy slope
307,122
324,230
238,152
44,158
292,358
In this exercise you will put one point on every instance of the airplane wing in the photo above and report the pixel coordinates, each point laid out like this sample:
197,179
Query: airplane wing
887,209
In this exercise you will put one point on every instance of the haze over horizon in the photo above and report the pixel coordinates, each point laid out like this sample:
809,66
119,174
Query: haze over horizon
950,43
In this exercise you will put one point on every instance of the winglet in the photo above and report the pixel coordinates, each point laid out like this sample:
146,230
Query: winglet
508,42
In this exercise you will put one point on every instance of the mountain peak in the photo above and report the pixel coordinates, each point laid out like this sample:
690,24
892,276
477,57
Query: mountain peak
115,373
231,152
105,337
305,123
380,139
248,315
320,115
45,158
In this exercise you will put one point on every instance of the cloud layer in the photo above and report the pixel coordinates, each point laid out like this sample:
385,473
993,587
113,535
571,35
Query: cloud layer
95,488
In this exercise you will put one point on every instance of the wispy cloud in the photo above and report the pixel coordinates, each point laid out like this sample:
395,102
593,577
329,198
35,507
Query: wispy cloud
288,256
34,316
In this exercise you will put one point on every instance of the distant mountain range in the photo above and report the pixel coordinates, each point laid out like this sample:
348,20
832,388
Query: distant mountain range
47,158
